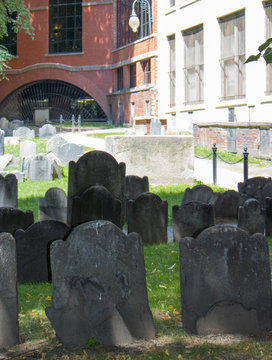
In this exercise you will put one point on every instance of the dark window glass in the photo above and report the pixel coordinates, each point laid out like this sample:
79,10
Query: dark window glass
65,21
132,75
10,41
120,78
146,72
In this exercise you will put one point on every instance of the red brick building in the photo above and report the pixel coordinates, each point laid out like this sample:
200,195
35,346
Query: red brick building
84,60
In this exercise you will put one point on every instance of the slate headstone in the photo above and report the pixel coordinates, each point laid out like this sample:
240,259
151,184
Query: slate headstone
155,126
69,152
27,148
4,123
201,193
257,187
54,142
24,132
47,131
39,167
225,282
99,287
251,218
227,204
33,249
148,216
268,216
135,186
8,191
12,219
53,206
15,124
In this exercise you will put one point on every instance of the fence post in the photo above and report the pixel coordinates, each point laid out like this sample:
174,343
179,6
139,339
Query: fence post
60,121
79,123
73,123
214,150
245,154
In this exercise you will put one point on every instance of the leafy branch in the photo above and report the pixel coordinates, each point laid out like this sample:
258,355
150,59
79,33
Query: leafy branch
265,51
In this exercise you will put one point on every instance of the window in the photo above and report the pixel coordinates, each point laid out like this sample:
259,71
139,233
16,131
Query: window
193,65
120,77
172,70
172,2
132,75
124,33
146,71
233,56
10,40
268,13
65,26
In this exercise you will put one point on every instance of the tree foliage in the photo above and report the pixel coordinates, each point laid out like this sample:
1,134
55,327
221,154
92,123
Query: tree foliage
12,12
265,51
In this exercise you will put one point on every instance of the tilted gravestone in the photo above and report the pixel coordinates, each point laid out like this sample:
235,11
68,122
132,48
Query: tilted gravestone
12,219
257,187
96,203
148,216
27,148
47,130
99,287
24,132
192,218
53,206
54,142
9,325
96,168
39,167
135,186
201,193
8,191
33,249
69,152
251,218
225,282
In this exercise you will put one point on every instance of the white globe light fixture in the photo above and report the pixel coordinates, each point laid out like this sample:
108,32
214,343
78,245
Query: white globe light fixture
134,21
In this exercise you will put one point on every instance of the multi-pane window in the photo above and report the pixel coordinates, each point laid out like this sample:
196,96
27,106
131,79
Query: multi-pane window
268,13
146,71
172,2
10,40
123,11
193,65
65,26
132,75
172,70
120,78
233,56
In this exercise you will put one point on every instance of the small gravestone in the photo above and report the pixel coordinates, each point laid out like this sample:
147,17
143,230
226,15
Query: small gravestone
18,174
15,124
201,193
69,152
25,162
135,186
4,123
47,131
227,203
8,191
6,131
24,132
9,325
39,167
54,142
27,148
225,282
251,217
96,168
96,203
33,249
192,218
99,287
2,140
148,216
12,219
54,205
257,187
155,126
56,171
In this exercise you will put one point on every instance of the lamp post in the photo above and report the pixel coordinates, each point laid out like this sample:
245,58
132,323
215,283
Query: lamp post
134,21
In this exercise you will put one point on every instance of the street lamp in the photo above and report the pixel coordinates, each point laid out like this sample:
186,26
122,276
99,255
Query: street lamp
134,21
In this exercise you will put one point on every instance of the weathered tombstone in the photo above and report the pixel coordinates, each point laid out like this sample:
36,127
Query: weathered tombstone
257,187
6,131
24,132
148,216
225,282
18,174
9,325
27,148
2,140
96,168
69,152
135,185
54,142
99,287
25,162
12,219
268,216
192,218
226,205
251,217
39,167
8,191
4,123
96,203
15,124
201,193
33,249
47,130
54,205
155,126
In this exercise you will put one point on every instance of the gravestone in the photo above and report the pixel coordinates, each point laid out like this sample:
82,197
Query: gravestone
53,206
7,132
192,218
25,162
27,148
96,203
69,152
155,126
225,282
2,141
56,171
227,204
47,131
39,167
54,142
148,216
24,132
18,174
257,187
33,249
200,193
5,160
15,124
8,191
99,287
4,123
268,216
251,217
96,168
9,325
135,185
12,219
